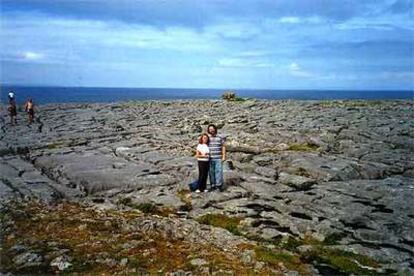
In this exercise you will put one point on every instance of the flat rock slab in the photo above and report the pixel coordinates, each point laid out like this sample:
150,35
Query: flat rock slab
94,172
20,179
296,181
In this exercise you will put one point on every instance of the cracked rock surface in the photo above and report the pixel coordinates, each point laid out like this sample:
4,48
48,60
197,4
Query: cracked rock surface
295,168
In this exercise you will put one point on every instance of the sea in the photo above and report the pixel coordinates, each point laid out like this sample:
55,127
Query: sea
45,95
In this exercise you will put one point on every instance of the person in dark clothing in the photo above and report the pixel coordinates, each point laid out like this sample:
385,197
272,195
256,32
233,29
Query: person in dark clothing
12,112
203,159
11,97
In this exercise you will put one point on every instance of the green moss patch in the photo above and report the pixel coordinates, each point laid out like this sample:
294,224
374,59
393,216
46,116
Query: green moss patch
219,220
280,258
344,261
291,244
6,151
55,145
146,207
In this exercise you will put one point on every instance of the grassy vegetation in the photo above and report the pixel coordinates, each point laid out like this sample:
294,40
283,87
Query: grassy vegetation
6,151
291,244
344,261
96,242
333,239
55,145
218,220
66,143
299,171
146,207
91,234
185,197
240,99
321,251
277,258
232,97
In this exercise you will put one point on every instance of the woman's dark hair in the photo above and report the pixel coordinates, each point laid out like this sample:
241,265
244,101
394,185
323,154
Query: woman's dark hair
213,126
200,140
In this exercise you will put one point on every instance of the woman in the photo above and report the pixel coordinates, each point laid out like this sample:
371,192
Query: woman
202,156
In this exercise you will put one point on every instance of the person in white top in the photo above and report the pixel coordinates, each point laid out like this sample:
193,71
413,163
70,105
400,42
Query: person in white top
11,97
203,158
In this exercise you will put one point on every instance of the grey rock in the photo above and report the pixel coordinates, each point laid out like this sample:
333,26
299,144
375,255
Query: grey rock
27,259
198,262
123,262
232,178
324,168
180,273
298,182
61,262
291,273
101,153
267,172
248,256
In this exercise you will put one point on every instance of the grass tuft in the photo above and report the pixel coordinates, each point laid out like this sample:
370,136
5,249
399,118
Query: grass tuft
344,261
146,207
185,197
219,220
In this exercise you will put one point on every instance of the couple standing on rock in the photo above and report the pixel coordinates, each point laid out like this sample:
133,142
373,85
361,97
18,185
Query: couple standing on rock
211,153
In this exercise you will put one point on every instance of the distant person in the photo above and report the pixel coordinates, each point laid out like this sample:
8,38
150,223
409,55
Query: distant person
29,108
202,155
12,112
11,97
217,157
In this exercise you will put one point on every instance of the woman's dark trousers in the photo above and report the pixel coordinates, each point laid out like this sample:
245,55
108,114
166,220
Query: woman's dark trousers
203,167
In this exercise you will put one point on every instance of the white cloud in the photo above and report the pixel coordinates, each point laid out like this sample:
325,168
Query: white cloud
295,70
232,62
68,41
32,56
300,20
17,55
289,20
381,23
294,67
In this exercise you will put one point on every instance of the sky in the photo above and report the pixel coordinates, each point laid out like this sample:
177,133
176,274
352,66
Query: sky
229,44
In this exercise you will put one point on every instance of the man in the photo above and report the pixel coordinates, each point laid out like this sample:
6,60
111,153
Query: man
29,108
217,157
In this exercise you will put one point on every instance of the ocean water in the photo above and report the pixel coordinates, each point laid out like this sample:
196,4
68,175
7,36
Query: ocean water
43,95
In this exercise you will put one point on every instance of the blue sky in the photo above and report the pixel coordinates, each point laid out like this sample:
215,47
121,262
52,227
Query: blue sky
262,44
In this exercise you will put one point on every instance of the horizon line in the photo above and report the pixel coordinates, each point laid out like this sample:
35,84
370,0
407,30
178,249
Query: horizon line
197,88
